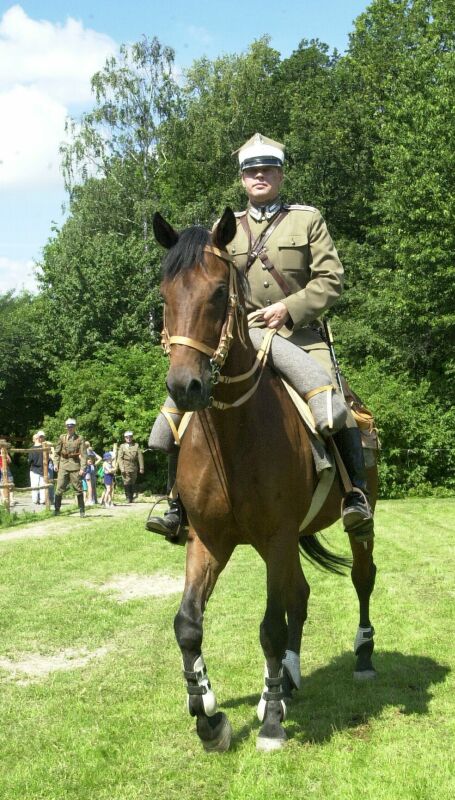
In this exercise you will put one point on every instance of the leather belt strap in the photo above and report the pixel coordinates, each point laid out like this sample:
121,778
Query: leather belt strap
308,395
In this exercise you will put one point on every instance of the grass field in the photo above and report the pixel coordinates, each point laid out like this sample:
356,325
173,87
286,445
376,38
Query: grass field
93,703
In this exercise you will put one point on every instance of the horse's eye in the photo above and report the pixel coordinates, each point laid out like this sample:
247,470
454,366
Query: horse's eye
219,293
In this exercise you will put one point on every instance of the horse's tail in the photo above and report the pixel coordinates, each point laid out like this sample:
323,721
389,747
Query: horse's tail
314,551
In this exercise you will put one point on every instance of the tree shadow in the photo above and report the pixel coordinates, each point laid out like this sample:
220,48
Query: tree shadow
330,700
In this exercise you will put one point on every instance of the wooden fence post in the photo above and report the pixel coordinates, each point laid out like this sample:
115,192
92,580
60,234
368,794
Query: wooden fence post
5,479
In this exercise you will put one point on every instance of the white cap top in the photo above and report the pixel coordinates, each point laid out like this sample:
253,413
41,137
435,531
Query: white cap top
259,151
128,433
70,421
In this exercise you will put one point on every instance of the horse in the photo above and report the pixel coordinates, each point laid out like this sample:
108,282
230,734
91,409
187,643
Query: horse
245,476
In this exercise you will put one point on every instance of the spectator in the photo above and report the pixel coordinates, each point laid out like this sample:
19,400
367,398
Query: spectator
35,462
107,498
90,481
9,476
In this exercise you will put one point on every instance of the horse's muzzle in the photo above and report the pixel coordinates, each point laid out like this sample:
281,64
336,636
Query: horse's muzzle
189,392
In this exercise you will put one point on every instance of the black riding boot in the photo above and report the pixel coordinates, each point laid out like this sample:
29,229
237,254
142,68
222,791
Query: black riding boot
131,493
57,504
357,513
169,525
81,504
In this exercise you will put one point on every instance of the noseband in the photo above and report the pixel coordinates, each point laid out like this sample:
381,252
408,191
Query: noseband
220,354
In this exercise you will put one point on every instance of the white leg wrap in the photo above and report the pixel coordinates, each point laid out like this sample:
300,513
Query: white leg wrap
363,635
208,696
262,705
291,663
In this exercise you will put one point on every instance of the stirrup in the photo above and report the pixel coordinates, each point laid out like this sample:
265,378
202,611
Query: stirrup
156,524
357,512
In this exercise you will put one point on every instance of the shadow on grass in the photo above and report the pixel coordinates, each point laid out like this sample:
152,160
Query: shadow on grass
330,701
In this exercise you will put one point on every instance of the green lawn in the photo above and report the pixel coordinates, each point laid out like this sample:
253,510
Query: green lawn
116,727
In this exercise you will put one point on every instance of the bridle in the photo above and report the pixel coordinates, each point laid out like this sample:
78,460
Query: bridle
218,356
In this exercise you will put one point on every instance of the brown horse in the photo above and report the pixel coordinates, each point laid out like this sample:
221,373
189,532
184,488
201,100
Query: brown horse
245,476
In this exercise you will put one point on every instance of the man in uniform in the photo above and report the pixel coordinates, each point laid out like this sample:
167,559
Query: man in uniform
295,275
130,460
70,462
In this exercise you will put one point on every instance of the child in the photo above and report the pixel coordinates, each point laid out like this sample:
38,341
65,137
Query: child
90,481
109,472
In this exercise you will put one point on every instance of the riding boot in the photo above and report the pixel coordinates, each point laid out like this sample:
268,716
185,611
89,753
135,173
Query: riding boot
131,493
57,504
81,504
356,509
169,525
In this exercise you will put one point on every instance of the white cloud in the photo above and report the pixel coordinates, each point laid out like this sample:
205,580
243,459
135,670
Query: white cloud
44,69
17,275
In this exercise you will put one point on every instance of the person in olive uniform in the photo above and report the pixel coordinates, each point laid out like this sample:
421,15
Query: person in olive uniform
130,461
69,463
295,275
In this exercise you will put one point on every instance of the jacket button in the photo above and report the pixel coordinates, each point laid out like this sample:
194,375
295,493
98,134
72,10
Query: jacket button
266,284
233,249
268,302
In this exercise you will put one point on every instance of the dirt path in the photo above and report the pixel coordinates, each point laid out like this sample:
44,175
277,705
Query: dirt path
52,527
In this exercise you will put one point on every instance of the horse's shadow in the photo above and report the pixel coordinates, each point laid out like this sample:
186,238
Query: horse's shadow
329,700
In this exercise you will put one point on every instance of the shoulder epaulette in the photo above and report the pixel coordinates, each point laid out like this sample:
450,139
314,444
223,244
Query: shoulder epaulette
297,207
240,213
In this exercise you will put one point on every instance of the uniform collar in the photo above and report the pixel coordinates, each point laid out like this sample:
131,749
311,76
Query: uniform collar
262,213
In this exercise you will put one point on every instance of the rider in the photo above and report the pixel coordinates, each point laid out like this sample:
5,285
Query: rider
294,277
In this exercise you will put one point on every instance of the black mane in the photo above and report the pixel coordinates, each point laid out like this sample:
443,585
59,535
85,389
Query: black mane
188,251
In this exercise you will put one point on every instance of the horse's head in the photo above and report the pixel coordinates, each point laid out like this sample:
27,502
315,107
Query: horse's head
199,290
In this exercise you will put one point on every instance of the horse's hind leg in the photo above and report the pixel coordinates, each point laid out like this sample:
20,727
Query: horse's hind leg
202,571
297,609
363,575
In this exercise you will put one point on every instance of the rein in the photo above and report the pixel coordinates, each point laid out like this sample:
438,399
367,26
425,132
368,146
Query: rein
220,354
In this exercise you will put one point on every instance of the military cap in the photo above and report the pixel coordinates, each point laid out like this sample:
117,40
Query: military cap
260,151
128,433
70,421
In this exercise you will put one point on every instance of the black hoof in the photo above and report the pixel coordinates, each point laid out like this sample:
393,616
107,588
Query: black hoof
214,732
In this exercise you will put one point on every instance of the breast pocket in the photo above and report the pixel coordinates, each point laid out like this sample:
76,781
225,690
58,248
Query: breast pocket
293,252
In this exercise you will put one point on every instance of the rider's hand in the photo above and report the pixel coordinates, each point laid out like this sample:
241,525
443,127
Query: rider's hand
275,316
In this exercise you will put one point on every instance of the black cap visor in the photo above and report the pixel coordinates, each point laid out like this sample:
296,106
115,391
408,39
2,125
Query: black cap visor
261,161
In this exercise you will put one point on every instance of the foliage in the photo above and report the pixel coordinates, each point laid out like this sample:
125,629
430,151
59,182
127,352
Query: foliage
25,358
118,389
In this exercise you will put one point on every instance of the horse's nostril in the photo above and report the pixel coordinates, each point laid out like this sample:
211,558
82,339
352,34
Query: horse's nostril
194,387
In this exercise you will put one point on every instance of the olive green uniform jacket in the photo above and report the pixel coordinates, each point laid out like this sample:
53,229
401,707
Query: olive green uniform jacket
129,459
302,251
70,458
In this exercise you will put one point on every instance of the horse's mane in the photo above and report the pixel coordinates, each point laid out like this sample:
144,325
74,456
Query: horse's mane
188,251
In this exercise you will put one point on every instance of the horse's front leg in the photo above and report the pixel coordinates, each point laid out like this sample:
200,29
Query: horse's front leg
202,571
280,559
363,575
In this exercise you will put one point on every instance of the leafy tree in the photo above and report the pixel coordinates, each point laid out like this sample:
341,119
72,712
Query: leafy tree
25,384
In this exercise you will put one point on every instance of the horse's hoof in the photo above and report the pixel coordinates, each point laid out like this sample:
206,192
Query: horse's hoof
268,744
365,675
222,741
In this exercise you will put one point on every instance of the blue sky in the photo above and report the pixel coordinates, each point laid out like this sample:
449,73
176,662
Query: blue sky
50,48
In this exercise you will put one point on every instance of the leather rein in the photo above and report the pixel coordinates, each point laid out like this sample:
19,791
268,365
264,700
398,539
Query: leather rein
219,355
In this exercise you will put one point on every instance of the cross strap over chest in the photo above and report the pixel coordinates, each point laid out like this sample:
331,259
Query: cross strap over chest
257,249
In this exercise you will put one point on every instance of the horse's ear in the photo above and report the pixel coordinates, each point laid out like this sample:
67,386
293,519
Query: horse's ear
164,233
225,230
